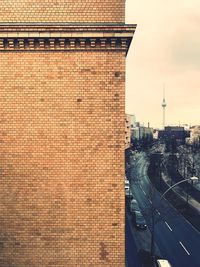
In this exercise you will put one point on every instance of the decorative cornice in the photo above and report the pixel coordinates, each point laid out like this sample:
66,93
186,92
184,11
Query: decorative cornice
8,44
67,37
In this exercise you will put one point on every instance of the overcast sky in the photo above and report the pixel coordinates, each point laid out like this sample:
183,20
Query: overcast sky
165,49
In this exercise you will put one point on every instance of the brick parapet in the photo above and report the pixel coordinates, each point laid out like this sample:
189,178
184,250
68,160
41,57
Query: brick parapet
62,11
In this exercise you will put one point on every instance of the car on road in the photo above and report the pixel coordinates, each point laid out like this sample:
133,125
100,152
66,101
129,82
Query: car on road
133,206
139,220
128,194
163,263
127,184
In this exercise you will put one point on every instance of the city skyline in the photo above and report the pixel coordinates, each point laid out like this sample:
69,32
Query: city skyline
166,49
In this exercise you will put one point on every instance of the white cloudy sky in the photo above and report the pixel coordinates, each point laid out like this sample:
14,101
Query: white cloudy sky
165,49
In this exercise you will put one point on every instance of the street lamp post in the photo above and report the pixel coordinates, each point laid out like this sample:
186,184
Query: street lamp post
192,179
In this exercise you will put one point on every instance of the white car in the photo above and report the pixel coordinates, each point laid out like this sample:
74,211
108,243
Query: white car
127,184
163,263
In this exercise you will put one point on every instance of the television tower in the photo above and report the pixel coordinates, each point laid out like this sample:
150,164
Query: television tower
164,104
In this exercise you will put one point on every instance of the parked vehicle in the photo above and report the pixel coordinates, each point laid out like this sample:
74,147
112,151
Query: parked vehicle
128,194
127,185
163,263
139,220
134,206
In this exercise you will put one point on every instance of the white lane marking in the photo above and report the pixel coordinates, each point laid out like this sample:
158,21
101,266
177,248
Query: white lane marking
158,212
150,201
168,226
184,247
144,192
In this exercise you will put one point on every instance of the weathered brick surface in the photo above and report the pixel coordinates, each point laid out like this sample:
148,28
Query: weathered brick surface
61,158
62,11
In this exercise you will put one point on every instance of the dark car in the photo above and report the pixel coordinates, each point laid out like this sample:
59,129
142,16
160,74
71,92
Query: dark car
139,220
128,194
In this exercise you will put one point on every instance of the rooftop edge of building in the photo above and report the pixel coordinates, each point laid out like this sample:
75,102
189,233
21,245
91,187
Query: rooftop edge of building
75,26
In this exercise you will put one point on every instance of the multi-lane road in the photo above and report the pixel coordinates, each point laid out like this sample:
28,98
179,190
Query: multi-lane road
176,238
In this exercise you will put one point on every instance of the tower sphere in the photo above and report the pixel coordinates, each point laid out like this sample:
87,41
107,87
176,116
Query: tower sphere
164,103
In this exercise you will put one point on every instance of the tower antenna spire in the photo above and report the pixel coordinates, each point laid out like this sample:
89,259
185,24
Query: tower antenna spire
163,90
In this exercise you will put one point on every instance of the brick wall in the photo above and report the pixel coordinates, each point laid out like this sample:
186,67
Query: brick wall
62,11
61,159
127,131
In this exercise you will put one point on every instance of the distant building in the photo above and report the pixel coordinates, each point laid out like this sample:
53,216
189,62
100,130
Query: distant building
194,135
133,121
155,133
141,132
174,132
135,133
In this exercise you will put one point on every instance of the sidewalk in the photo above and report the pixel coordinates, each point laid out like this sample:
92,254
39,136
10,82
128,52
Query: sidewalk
142,238
132,257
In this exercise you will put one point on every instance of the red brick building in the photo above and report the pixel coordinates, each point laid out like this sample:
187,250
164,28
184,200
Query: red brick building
62,86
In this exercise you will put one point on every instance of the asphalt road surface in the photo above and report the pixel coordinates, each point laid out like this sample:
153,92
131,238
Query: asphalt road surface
176,238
